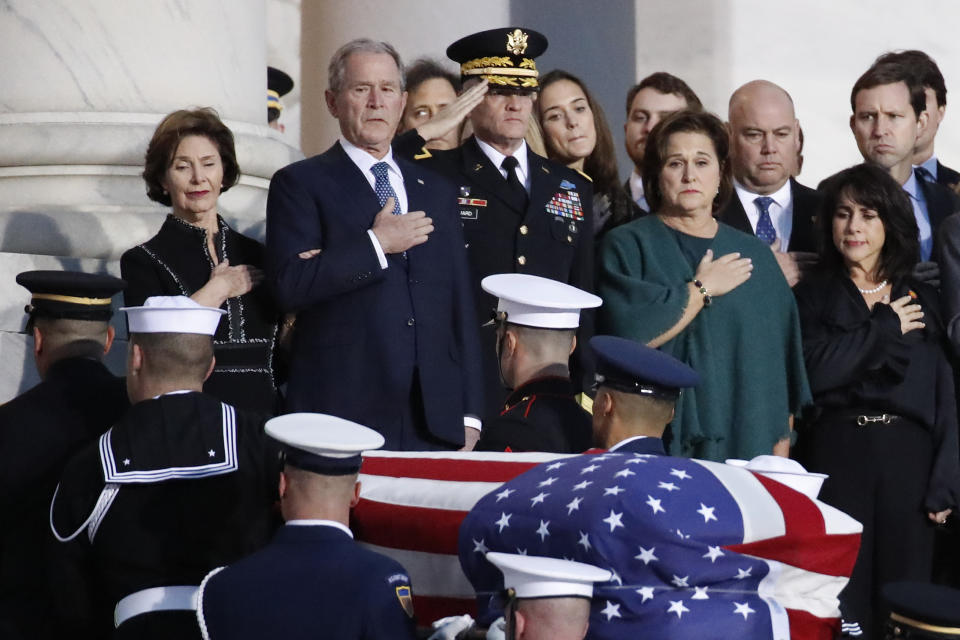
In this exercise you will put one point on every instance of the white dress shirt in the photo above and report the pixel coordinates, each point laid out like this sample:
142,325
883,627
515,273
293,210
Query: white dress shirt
523,167
781,210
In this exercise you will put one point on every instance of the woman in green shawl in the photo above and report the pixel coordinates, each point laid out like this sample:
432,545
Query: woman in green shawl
707,294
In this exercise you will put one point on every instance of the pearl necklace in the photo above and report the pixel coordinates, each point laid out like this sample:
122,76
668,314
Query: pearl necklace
875,289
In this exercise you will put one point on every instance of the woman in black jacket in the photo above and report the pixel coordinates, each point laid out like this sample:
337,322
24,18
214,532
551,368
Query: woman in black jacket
885,423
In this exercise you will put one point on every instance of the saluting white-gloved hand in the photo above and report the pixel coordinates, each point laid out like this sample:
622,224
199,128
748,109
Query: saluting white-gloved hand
450,627
497,630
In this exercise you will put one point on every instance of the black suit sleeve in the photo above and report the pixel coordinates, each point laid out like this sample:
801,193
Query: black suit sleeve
948,245
140,273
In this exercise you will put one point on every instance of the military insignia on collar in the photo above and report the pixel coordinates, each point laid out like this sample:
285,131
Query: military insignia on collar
423,155
566,205
464,191
478,166
517,42
405,596
566,184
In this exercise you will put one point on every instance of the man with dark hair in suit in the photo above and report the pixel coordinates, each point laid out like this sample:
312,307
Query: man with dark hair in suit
648,102
764,145
889,114
368,249
520,212
935,90
77,400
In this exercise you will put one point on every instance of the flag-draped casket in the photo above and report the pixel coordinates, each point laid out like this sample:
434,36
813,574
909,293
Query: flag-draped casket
698,549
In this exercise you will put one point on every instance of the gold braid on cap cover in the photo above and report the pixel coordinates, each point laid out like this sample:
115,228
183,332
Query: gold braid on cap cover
71,299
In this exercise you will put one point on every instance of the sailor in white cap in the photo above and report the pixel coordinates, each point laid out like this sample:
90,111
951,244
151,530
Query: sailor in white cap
312,581
180,484
548,598
537,319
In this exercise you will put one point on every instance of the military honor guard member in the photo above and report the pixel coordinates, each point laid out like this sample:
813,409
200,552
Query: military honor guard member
520,212
279,84
637,391
77,400
921,611
547,598
313,580
537,319
181,484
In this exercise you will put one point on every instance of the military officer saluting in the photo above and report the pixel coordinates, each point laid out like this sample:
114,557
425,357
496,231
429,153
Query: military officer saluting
537,320
182,483
77,400
520,212
312,580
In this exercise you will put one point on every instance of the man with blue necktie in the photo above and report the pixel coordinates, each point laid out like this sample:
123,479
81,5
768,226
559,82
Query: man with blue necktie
764,142
367,249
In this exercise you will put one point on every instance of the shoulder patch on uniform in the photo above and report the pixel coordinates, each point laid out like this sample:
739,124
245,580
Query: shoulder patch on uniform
423,155
405,596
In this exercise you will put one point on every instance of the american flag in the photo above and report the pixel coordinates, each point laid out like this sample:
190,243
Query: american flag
698,549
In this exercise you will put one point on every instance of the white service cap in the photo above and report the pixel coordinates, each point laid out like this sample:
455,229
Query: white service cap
321,443
538,302
540,577
789,472
172,314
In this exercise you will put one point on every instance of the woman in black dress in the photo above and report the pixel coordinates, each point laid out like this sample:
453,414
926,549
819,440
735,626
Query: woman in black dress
885,425
190,161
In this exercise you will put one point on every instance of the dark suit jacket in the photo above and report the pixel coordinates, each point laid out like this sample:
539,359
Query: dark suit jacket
806,205
941,202
947,176
363,332
504,237
652,446
311,581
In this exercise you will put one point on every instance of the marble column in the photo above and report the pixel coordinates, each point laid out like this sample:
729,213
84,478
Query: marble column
85,83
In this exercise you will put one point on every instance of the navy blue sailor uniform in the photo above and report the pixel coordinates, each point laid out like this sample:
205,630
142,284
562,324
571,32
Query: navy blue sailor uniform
312,581
551,235
181,484
541,415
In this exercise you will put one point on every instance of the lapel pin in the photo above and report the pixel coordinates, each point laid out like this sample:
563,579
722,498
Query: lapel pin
477,166
419,181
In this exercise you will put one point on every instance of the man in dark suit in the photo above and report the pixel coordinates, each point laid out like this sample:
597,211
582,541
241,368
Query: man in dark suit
889,114
312,580
536,324
77,400
368,250
637,391
764,143
520,212
935,90
648,102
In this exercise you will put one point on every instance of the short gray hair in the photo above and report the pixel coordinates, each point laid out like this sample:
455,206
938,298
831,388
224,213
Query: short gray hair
338,63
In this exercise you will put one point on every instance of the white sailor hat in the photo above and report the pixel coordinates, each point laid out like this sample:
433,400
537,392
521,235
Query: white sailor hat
172,314
538,302
322,444
540,577
789,472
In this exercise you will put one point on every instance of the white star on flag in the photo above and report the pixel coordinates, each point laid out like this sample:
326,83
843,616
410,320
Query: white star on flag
611,611
582,485
676,606
538,499
743,608
646,555
682,535
706,512
655,505
480,547
555,466
680,582
589,469
504,521
504,494
636,460
547,482
521,552
646,593
624,473
574,505
211,453
713,553
743,573
584,540
701,593
614,520
613,491
680,473
615,577
543,531
669,486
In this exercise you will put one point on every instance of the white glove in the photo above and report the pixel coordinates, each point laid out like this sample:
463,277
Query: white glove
497,630
450,627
